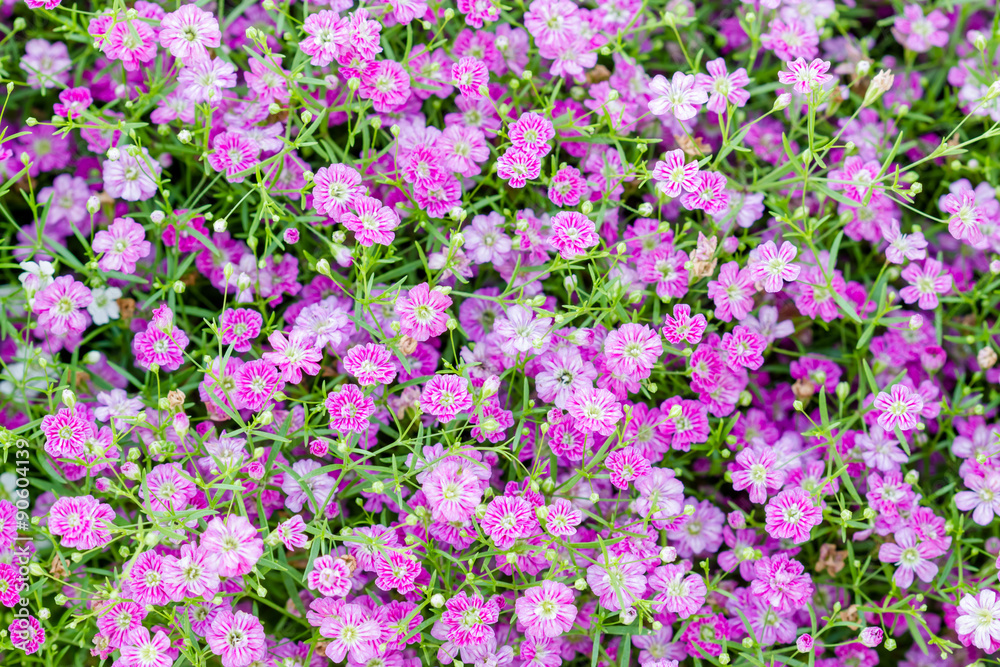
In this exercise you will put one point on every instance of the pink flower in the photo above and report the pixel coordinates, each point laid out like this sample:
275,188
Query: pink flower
372,223
335,190
469,619
517,167
59,305
679,96
547,610
121,623
900,407
632,349
782,583
133,176
386,84
772,266
678,590
708,192
349,409
682,327
984,497
123,244
966,217
674,175
661,495
756,470
26,633
532,133
203,80
330,576
190,574
978,621
903,246
11,584
567,187
508,519
469,75
859,180
445,396
233,545
233,153
238,638
744,348
189,32
145,578
239,327
423,312
521,331
572,233
792,515
926,283
732,292
147,651
723,86
257,382
492,423
618,580
292,532
626,465
161,343
920,33
805,77
791,39
327,37
66,433
453,491
595,410
72,101
81,522
371,364
294,355
351,631
910,558
131,41
562,518
397,570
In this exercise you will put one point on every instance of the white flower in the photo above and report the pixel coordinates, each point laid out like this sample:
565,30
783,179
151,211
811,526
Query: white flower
37,276
104,307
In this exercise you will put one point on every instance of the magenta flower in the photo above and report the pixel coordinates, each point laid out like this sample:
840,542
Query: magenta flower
562,518
469,619
532,133
453,491
781,582
757,470
294,355
508,519
148,650
900,407
133,42
335,190
59,305
547,610
204,80
72,101
966,218
189,32
371,364
351,631
123,244
926,283
349,409
517,167
239,327
233,153
330,576
490,422
707,192
81,522
791,39
595,410
26,633
292,532
423,312
444,396
722,86
678,590
680,97
920,33
744,348
372,223
984,497
190,574
772,267
238,638
134,176
572,233
386,84
632,349
805,77
11,584
257,382
567,187
910,557
792,515
520,331
675,176
469,75
732,292
233,545
682,327
617,580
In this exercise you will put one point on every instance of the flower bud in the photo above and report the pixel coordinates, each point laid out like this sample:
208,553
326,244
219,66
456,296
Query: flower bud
986,358
782,102
68,398
220,225
93,204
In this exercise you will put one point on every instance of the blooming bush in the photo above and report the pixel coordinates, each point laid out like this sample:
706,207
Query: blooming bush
410,332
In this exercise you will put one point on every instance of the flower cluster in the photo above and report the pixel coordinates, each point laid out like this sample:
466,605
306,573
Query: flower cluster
604,333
